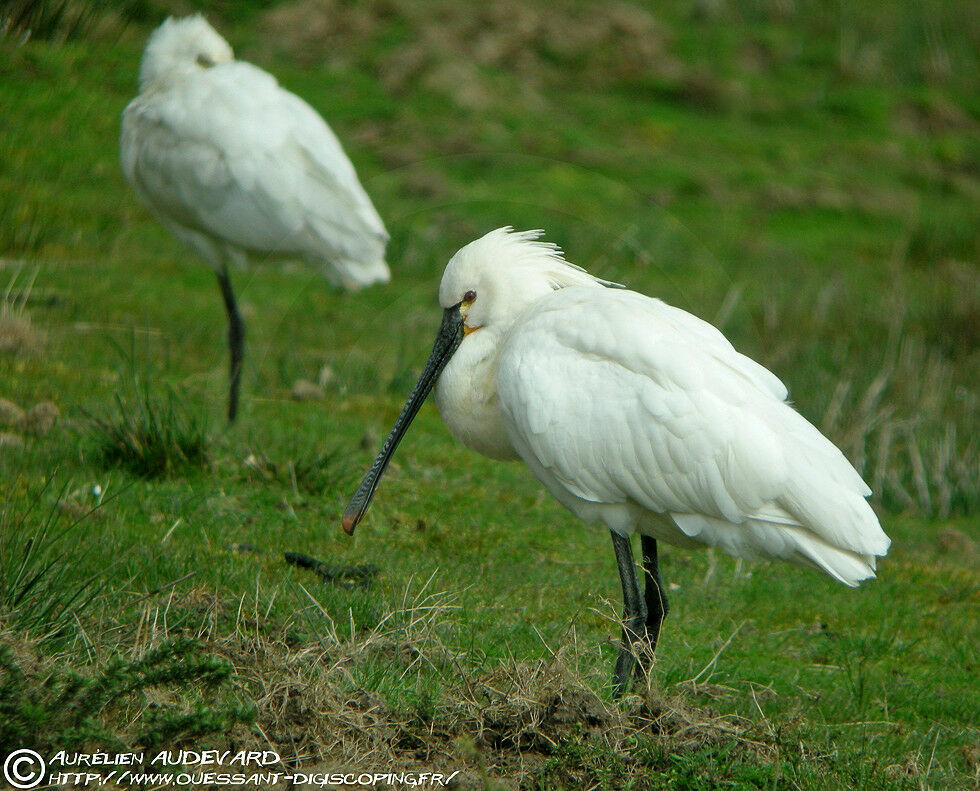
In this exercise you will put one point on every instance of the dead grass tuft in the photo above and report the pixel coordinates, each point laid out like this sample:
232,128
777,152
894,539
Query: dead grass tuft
905,418
933,114
41,417
10,440
11,414
453,48
18,335
904,431
955,542
63,20
401,696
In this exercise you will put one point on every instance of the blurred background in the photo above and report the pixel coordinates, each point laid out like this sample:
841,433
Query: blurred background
803,175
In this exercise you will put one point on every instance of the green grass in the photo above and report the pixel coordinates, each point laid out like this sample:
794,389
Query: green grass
150,434
39,594
807,177
53,708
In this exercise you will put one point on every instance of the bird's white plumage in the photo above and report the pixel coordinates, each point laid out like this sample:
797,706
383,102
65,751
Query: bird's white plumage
235,164
644,417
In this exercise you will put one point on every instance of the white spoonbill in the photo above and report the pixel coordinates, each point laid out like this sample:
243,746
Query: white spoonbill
234,164
637,415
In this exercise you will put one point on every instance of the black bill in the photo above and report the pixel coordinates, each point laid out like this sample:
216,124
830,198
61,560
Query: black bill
447,341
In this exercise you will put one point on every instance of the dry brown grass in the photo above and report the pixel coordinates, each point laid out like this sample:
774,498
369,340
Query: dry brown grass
455,47
903,413
66,20
499,722
900,430
18,335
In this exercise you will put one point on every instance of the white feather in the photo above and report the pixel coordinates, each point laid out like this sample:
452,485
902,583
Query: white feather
644,417
235,164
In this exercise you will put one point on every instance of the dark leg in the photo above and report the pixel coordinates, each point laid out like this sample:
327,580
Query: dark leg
236,340
655,594
634,616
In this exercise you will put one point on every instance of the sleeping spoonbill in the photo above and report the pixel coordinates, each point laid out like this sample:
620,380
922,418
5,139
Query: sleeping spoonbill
234,164
637,415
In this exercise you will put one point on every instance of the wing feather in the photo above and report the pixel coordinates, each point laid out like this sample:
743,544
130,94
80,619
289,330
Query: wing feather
231,154
665,414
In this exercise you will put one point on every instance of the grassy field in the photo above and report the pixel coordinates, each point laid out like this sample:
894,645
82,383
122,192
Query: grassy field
806,178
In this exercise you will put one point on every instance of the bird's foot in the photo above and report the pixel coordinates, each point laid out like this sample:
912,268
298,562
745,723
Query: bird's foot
633,663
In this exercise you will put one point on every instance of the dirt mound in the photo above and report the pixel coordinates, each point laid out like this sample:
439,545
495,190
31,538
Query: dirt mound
509,721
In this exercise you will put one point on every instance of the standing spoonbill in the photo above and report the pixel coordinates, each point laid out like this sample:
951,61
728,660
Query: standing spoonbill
634,414
234,164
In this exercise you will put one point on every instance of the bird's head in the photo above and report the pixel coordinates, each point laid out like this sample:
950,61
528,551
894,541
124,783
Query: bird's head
182,46
493,279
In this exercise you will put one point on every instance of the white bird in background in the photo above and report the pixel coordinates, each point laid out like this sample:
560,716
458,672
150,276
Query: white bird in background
234,164
637,415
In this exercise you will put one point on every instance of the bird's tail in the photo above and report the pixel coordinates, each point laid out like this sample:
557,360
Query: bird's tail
352,275
775,535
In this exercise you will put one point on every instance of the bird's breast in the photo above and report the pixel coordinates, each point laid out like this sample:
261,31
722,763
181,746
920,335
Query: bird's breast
466,395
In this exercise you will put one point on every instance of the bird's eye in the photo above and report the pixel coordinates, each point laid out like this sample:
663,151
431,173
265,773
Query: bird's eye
468,297
205,61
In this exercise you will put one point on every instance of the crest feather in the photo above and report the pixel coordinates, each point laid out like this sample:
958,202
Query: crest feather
526,249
